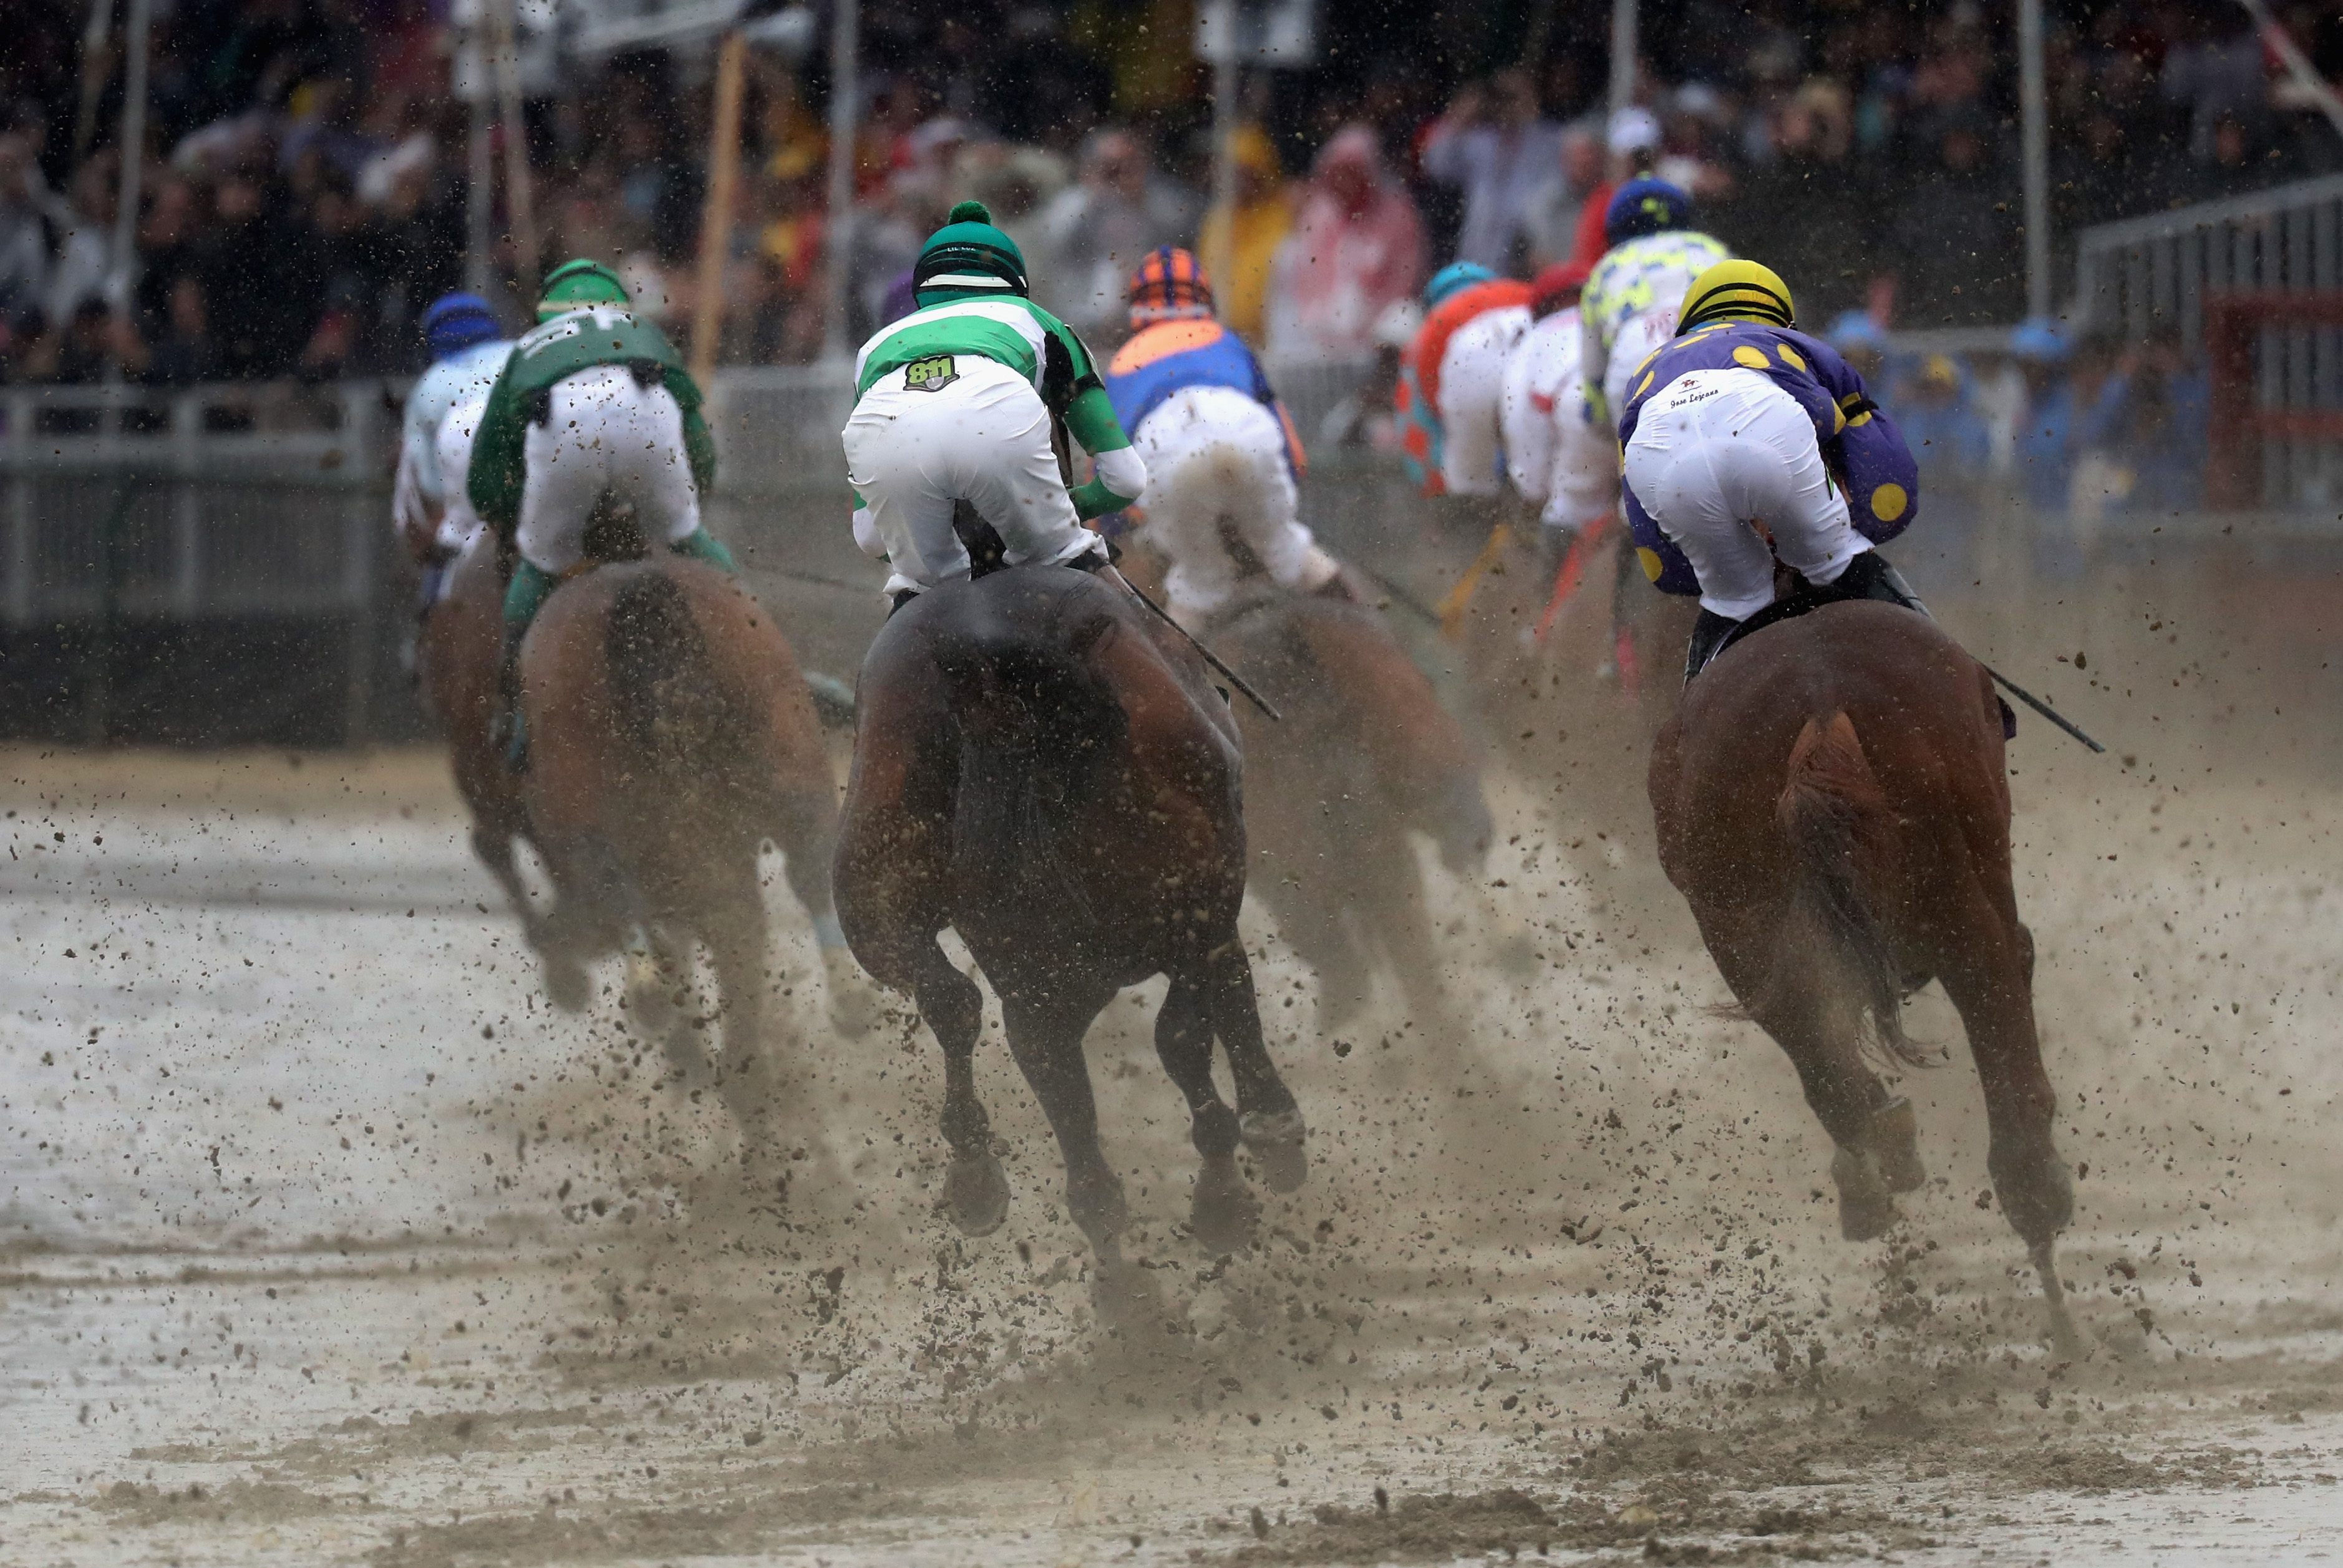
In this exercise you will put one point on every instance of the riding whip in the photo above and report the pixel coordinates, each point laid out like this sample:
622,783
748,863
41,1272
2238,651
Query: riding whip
1211,658
2041,707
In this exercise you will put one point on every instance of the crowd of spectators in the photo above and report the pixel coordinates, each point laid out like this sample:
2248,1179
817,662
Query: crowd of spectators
303,193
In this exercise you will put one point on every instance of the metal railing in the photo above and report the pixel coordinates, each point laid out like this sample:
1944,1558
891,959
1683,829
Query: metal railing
2146,275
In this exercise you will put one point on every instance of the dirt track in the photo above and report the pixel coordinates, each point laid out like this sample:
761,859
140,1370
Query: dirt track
325,1243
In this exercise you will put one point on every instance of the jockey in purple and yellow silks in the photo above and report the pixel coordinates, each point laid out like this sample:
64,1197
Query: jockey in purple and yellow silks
1222,456
1741,423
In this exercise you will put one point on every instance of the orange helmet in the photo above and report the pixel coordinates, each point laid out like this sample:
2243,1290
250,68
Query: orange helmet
1169,286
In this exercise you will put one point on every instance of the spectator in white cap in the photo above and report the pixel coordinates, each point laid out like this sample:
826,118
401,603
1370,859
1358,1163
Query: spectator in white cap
1633,138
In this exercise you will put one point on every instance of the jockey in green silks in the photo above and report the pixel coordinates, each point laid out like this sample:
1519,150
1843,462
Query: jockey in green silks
594,404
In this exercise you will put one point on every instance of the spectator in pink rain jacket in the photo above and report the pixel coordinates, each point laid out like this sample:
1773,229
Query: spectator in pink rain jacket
1356,247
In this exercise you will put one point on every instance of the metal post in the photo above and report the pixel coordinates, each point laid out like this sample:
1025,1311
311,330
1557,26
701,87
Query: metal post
123,260
845,87
93,80
2036,137
505,43
479,201
1622,54
1227,82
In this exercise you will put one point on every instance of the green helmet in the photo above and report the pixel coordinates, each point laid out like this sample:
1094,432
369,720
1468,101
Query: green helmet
579,285
969,253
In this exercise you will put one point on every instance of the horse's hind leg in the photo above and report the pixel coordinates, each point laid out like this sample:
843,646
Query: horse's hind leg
805,832
1990,978
1268,1119
1045,1034
732,923
976,1188
1818,1032
1223,1212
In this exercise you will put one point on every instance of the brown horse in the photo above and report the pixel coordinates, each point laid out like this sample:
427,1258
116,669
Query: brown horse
1043,767
456,662
1833,803
1363,758
671,734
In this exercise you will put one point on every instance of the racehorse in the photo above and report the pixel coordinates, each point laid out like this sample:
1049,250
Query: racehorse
671,734
1041,765
1832,802
455,663
1364,756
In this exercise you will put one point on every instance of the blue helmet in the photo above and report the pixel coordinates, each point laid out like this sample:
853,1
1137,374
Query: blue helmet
455,322
1645,207
1456,275
2038,338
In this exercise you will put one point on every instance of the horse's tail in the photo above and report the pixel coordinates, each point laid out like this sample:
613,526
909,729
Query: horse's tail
1842,834
1039,730
668,705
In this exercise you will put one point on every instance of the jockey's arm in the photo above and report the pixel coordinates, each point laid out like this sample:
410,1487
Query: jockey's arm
499,459
1119,477
698,446
1881,475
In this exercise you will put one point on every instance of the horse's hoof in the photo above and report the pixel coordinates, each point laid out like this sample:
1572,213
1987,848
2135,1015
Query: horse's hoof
566,984
976,1195
1896,1145
1276,1141
854,1005
1866,1211
1223,1212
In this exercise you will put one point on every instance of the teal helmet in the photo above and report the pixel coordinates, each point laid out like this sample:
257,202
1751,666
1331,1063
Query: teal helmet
579,285
969,253
1456,275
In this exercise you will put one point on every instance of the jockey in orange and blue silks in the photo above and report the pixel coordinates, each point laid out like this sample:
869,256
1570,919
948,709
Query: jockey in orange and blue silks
1221,454
1742,422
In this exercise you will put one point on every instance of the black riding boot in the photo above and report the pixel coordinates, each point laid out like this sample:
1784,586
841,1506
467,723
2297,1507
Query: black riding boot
1869,576
1708,635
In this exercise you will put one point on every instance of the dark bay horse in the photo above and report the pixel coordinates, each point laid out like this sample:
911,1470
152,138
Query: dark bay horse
671,734
1363,758
1832,802
1041,765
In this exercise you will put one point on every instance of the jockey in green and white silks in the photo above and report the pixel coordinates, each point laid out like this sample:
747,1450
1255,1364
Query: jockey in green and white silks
959,401
594,403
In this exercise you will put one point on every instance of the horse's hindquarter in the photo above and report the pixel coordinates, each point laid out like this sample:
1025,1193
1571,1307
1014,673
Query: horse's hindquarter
1921,713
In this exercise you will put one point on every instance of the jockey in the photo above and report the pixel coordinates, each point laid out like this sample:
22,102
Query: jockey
1553,453
1451,378
1629,307
1743,422
467,349
960,401
594,404
1221,454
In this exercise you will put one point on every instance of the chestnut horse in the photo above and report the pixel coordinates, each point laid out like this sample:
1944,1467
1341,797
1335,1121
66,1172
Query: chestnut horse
456,664
671,734
1832,802
1042,767
1363,757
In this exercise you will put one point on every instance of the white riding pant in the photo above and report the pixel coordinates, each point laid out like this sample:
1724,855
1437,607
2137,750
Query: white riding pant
606,435
1216,456
1471,393
983,437
1718,452
1553,453
452,451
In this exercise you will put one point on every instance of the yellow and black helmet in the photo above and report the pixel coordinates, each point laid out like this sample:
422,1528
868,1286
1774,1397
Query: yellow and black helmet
1737,291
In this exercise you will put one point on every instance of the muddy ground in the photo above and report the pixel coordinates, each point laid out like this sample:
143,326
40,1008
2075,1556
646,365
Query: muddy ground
326,1242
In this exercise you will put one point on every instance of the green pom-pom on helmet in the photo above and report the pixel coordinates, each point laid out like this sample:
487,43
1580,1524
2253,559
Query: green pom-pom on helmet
579,285
968,254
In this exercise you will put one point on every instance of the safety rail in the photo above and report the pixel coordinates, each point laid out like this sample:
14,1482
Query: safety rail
2144,276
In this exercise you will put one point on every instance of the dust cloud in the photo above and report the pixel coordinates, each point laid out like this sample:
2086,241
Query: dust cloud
325,1240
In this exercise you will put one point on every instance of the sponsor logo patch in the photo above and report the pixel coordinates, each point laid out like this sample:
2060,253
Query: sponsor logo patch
932,374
